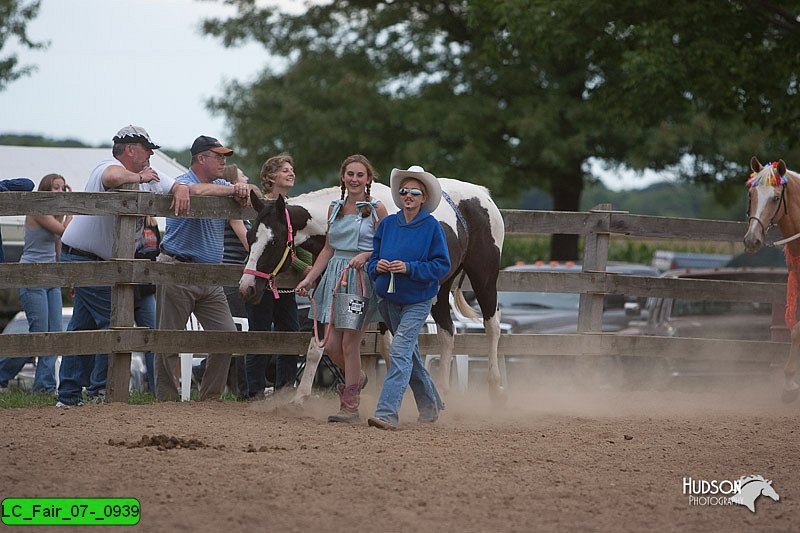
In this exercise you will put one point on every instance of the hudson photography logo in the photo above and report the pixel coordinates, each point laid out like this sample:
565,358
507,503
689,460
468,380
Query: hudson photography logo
743,491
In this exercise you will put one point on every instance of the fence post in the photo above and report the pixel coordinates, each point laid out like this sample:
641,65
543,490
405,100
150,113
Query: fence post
595,258
119,363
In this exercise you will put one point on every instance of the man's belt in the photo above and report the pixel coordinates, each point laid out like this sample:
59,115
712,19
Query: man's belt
66,248
181,258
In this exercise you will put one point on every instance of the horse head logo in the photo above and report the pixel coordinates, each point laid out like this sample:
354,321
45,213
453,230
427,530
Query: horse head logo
750,488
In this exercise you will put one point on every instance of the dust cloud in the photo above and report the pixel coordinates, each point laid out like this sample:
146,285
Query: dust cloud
611,387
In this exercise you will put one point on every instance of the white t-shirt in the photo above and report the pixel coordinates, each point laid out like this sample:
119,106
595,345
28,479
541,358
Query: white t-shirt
93,233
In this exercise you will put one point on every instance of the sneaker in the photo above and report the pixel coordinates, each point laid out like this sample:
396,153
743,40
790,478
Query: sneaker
349,417
98,398
3,389
62,404
380,423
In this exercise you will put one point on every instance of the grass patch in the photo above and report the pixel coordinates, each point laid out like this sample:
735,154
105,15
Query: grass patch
141,398
17,397
21,398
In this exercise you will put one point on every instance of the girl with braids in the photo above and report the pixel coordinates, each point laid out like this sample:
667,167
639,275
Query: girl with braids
352,221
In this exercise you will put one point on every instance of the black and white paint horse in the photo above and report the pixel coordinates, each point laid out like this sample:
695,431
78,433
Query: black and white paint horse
472,225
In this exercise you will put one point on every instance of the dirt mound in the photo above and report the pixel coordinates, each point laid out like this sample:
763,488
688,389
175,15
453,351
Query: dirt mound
162,442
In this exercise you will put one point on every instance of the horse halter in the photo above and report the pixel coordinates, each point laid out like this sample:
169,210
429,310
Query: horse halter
289,249
772,220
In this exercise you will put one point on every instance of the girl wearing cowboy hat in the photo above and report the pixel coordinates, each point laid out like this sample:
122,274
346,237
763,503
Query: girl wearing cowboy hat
409,257
351,224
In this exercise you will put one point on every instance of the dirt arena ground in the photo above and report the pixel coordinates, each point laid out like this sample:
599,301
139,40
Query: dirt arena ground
551,461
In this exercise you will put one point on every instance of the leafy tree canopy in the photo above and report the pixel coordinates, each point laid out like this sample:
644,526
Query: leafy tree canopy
517,93
14,18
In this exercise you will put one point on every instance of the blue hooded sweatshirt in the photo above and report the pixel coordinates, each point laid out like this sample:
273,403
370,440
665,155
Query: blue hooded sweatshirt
422,245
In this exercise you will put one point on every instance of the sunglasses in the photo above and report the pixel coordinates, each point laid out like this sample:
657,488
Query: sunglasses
412,192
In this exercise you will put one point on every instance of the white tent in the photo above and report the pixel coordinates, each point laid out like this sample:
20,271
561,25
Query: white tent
75,164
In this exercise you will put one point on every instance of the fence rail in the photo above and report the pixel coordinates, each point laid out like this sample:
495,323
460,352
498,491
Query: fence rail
595,225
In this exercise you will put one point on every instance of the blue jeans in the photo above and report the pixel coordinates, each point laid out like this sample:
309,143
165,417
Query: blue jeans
144,314
406,368
43,311
271,315
91,310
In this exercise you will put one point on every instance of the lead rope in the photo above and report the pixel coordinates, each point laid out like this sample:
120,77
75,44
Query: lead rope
320,344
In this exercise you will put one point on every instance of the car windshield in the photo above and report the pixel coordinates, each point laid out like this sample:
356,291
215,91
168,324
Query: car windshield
543,300
703,307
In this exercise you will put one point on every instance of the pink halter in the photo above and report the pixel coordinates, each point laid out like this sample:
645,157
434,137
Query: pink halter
289,249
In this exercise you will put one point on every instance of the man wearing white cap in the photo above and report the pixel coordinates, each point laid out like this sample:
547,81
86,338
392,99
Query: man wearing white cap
91,238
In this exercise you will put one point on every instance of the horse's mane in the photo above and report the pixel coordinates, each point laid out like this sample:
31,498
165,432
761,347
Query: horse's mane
767,176
745,480
311,196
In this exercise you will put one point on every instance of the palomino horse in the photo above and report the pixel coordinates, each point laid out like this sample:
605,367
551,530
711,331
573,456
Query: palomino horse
775,199
472,225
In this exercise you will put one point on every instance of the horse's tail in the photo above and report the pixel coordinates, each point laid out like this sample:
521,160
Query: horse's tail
460,303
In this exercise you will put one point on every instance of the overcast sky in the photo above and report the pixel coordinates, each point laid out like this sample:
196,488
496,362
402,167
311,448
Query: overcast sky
116,62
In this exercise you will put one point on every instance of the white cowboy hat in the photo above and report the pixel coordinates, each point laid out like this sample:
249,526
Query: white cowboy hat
432,188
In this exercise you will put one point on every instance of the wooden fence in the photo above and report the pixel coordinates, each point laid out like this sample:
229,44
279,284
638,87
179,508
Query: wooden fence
593,283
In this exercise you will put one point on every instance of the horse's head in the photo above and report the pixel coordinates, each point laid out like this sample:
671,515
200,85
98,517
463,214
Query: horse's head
767,187
768,491
270,248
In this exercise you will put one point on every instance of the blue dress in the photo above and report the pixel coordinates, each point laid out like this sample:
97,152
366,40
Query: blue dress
348,235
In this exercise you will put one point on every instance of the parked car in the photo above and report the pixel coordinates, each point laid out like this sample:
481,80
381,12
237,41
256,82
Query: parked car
551,313
708,319
665,260
19,324
557,312
681,317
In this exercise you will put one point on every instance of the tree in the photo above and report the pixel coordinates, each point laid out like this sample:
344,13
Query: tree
14,17
515,93
692,87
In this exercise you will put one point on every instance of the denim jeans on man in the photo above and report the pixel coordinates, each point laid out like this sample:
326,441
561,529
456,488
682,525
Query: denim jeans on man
91,310
43,311
144,314
406,368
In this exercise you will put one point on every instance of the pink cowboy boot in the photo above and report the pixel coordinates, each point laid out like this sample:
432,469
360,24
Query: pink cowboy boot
348,406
